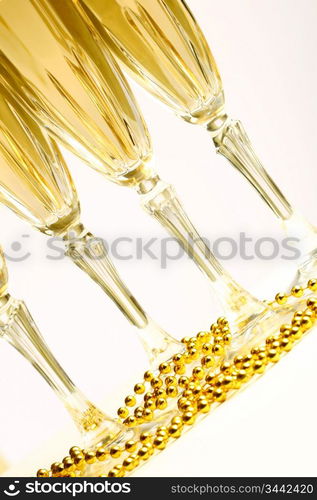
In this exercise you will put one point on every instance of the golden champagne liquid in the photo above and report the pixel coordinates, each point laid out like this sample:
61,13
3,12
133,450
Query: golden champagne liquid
3,275
163,46
75,88
34,181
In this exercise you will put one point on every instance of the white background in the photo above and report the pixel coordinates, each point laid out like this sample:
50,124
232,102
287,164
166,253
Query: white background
266,55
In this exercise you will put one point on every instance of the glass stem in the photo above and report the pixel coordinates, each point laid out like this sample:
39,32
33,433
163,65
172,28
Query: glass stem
90,255
160,200
18,328
232,141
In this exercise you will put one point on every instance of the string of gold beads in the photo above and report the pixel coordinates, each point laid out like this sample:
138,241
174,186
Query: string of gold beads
196,394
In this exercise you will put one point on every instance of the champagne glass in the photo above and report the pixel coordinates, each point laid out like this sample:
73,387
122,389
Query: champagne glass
161,44
18,328
36,184
75,88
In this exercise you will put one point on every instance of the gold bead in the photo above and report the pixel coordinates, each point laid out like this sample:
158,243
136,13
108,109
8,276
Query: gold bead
206,349
179,369
201,337
189,418
225,368
79,460
238,360
115,451
159,442
227,339
241,376
188,394
117,471
285,328
219,395
170,380
218,350
130,445
312,284
150,404
143,453
177,421
259,366
178,359
69,464
185,340
222,321
161,403
191,345
275,345
197,389
183,381
148,395
131,421
90,456
161,429
130,401
139,388
218,340
57,468
208,361
273,355
208,391
296,332
145,437
128,463
281,298
174,431
165,368
193,354
123,412
43,473
227,383
148,375
101,454
297,291
172,391
187,358
198,373
203,406
286,344
74,450
138,412
161,392
185,404
306,323
156,382
148,414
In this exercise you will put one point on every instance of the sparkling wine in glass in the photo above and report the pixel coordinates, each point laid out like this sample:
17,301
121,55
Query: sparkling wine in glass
163,47
74,87
19,329
36,184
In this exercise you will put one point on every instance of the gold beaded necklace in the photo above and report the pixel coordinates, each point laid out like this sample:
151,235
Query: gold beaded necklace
208,384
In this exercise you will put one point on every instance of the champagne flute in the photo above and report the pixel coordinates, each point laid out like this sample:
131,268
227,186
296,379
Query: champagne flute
161,44
77,91
18,328
36,184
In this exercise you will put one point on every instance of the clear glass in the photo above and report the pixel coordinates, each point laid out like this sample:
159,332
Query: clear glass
58,22
76,90
36,184
163,47
161,44
18,328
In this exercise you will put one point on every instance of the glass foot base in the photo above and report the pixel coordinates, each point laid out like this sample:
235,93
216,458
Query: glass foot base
306,271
